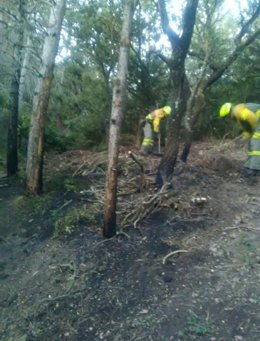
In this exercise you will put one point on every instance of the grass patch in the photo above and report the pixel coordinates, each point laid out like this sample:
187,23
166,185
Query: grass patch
68,222
195,326
247,249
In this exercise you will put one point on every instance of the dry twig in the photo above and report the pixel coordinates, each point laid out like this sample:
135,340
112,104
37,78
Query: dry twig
172,254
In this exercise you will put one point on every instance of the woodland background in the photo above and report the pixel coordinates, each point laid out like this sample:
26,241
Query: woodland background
80,101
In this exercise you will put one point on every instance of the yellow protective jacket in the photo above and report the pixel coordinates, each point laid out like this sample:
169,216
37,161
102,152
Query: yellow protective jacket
155,117
247,116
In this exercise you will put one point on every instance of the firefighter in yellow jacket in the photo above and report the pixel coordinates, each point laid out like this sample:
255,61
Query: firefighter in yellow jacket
151,126
247,116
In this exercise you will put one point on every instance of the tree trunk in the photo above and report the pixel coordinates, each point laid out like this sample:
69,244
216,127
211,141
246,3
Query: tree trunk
195,105
180,86
12,133
35,153
168,161
24,68
109,228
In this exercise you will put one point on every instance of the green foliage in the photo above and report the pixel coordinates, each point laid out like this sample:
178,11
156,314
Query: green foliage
55,139
3,132
82,92
71,185
23,127
30,205
3,100
68,222
195,326
245,75
247,249
79,108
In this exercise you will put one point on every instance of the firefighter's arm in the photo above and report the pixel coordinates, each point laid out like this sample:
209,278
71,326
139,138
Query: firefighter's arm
249,118
156,125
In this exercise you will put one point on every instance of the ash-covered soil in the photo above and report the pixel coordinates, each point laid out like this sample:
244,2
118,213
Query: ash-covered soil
188,271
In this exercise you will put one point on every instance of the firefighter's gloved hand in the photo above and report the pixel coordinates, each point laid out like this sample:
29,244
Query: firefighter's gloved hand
246,135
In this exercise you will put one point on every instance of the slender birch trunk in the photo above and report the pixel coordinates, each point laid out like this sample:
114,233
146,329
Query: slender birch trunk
118,102
35,153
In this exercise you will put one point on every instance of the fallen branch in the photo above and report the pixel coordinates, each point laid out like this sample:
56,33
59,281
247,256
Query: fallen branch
122,233
256,230
142,183
143,208
133,157
172,254
79,168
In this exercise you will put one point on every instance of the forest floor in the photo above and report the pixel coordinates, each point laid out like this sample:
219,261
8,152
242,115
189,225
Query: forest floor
177,270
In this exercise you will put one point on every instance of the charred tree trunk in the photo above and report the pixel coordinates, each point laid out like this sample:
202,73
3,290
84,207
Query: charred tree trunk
169,158
109,228
12,133
35,153
24,68
196,103
180,88
188,137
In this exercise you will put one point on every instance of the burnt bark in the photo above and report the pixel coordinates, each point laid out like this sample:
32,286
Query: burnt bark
195,105
12,133
180,87
118,101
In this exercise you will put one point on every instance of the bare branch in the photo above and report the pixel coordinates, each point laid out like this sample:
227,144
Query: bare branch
189,18
173,37
166,60
5,11
248,23
234,55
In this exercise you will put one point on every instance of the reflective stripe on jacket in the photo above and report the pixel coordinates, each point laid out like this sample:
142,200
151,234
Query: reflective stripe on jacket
147,142
253,161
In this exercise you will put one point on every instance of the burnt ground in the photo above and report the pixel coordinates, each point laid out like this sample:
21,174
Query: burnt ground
60,280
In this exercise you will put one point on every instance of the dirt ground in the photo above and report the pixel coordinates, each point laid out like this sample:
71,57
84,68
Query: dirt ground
186,271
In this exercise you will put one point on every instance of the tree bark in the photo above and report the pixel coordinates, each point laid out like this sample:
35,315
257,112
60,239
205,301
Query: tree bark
35,153
24,70
180,87
109,227
195,105
12,133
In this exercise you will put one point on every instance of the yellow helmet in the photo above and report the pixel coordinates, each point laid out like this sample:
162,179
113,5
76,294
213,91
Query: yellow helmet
225,109
167,110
